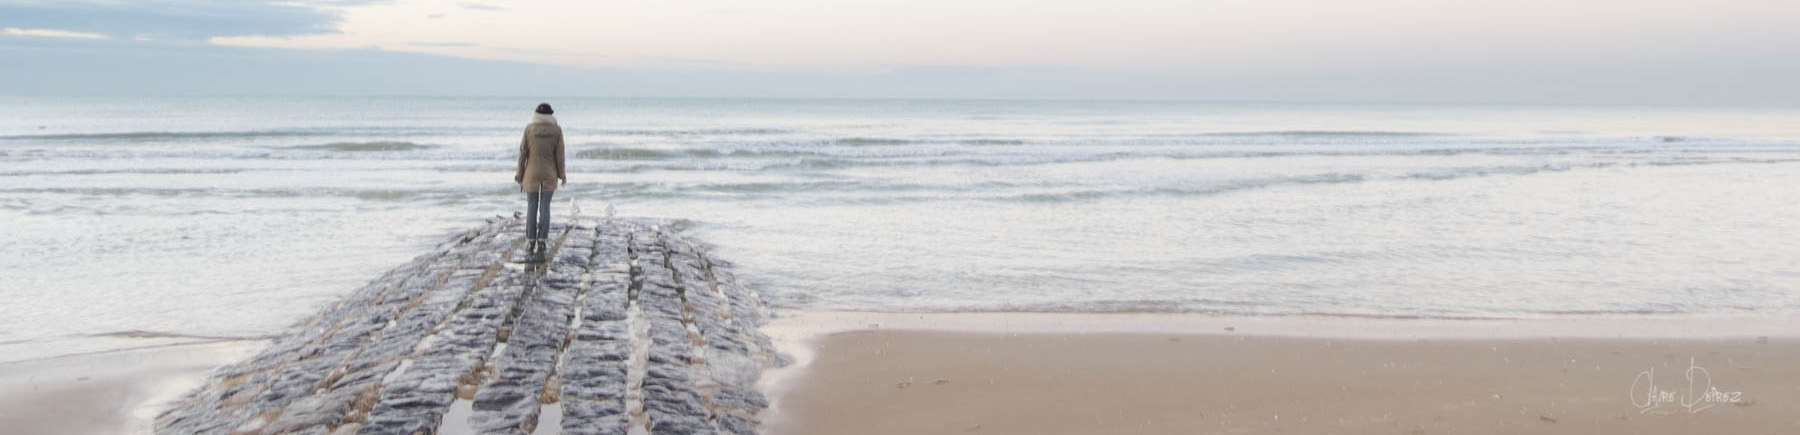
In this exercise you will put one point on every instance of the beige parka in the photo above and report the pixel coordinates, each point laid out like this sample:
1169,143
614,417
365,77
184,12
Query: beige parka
540,155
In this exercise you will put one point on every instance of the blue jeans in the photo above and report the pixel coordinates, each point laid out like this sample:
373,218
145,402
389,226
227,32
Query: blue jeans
537,215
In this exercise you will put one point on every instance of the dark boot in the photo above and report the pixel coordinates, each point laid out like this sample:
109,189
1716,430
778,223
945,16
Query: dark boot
537,255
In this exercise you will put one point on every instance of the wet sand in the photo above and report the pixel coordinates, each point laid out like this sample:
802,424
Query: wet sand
105,392
886,381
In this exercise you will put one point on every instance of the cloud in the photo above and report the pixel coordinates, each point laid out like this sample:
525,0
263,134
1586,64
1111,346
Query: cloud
442,44
117,66
1269,50
189,20
52,33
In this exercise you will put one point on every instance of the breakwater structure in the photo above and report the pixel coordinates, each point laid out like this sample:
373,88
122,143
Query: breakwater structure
629,328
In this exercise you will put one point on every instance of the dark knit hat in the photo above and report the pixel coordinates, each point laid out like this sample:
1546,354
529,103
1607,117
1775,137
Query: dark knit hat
544,108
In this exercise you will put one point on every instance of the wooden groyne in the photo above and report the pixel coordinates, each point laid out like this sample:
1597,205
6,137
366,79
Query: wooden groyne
630,328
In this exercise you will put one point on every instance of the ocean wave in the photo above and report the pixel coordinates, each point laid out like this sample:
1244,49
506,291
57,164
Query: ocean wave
630,153
636,153
352,147
771,187
1674,139
694,132
1320,133
871,141
1234,186
310,153
860,141
162,191
496,191
380,195
1692,162
145,171
823,163
159,136
833,191
992,142
797,160
1216,189
1485,171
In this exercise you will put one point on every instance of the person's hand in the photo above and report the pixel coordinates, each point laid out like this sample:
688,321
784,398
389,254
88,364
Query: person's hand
565,181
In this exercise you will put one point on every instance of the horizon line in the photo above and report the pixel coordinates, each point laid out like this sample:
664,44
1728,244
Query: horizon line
1793,105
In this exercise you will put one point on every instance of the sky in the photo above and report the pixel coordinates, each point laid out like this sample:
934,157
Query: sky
1717,52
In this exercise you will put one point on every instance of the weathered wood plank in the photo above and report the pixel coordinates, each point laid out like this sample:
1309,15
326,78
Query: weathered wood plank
628,324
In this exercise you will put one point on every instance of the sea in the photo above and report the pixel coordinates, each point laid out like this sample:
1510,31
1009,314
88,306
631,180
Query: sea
131,217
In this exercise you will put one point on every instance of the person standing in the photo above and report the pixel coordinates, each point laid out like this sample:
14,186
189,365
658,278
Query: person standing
540,170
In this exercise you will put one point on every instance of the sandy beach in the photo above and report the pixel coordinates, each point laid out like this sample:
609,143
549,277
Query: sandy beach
111,392
1015,373
884,379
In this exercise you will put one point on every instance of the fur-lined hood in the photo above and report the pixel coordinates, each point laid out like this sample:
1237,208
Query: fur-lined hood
539,118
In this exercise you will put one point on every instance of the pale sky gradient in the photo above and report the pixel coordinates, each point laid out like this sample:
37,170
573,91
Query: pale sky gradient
1628,51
